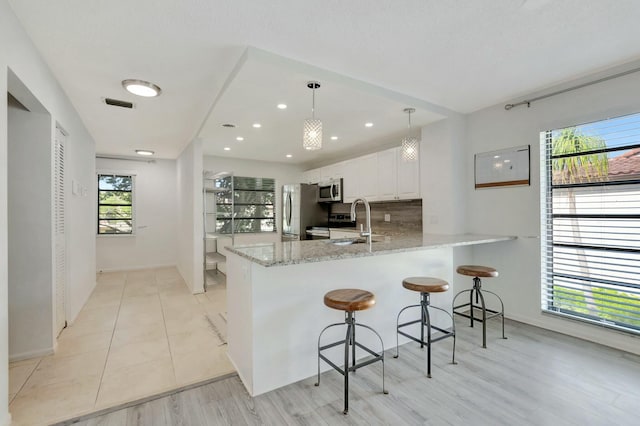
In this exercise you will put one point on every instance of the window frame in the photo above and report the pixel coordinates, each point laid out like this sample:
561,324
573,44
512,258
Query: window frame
119,173
233,219
625,293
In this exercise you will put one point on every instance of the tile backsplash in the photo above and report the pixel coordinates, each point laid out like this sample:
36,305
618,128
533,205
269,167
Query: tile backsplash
406,216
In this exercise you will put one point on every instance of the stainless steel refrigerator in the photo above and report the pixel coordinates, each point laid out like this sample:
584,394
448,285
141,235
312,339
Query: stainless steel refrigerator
301,210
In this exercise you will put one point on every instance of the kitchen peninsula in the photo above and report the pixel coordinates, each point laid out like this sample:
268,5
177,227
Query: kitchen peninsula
275,297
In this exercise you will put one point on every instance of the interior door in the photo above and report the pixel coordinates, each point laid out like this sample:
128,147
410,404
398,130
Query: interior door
60,244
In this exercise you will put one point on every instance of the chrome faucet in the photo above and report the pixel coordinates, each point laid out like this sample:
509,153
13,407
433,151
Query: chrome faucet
366,232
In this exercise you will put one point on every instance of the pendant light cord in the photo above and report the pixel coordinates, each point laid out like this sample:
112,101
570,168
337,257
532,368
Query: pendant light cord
313,103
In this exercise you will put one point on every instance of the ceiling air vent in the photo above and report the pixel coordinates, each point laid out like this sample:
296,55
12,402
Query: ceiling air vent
118,103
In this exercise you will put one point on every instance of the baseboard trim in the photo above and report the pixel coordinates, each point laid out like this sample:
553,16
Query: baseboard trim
135,268
584,331
6,420
31,354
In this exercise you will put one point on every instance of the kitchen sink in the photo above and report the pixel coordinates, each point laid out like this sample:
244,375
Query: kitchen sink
349,241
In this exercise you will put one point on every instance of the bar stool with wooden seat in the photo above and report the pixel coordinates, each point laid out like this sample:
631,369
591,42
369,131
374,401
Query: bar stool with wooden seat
425,286
350,301
478,272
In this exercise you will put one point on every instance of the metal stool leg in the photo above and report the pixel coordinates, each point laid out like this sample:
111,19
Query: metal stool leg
425,315
484,319
501,310
384,390
319,337
453,332
398,327
350,341
346,362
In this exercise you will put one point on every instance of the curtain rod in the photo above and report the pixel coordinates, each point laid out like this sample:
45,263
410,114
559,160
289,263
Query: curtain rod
122,157
579,86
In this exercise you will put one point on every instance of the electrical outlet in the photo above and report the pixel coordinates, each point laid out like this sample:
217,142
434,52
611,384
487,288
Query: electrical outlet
387,217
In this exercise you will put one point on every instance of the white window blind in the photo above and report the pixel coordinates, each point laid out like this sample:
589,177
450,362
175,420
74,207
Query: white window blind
591,222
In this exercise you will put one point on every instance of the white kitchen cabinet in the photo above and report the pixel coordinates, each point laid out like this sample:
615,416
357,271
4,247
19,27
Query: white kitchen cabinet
398,179
388,174
350,180
382,176
368,177
408,178
334,171
311,176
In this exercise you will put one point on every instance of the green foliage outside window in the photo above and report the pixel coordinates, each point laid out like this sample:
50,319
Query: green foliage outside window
115,204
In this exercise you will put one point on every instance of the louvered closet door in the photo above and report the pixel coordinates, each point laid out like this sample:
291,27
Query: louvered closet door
59,229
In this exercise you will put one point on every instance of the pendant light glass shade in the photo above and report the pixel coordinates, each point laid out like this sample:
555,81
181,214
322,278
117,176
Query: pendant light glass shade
312,127
312,134
409,145
409,148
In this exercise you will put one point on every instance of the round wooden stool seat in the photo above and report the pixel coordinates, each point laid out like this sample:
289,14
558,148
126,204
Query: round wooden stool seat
477,271
349,299
425,284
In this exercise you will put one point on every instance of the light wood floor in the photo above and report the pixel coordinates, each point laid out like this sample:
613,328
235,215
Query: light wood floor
536,377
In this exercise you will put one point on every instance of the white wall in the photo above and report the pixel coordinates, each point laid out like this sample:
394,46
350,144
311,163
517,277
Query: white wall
190,242
18,53
156,213
516,210
283,173
30,233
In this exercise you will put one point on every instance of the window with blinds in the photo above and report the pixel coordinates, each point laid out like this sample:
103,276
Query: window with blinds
591,222
115,204
248,206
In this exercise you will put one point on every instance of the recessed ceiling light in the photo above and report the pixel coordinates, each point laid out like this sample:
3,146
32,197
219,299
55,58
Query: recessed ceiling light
496,156
144,152
288,155
257,125
240,138
141,88
226,148
334,138
282,106
368,124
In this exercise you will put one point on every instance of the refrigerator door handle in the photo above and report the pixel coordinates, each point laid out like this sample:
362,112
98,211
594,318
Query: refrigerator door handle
289,209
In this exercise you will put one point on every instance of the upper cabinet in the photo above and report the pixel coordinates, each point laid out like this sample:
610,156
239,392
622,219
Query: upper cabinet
382,176
408,177
387,174
334,171
350,181
311,176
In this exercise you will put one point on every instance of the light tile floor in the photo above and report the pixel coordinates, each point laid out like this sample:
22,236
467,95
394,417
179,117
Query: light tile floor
139,334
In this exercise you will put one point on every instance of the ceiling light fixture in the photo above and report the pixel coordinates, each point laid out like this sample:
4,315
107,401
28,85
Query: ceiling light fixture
288,155
144,152
312,127
334,138
257,125
226,148
282,106
240,138
409,147
141,88
368,124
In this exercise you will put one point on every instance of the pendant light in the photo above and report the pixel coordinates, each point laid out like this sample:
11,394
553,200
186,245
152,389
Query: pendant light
312,128
409,150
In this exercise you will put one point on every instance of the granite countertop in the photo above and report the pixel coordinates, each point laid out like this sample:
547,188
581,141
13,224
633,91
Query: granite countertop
294,252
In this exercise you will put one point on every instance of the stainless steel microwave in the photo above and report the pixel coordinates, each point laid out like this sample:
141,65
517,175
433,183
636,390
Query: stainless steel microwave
330,191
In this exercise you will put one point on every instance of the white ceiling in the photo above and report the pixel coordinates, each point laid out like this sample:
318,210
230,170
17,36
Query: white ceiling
376,57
